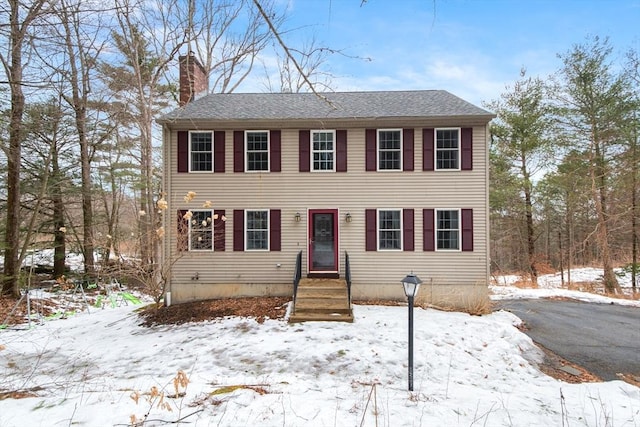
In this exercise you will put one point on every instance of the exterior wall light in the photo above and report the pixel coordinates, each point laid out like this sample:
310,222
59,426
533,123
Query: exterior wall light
297,217
347,217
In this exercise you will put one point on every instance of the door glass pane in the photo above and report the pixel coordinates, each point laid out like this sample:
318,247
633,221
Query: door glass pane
323,248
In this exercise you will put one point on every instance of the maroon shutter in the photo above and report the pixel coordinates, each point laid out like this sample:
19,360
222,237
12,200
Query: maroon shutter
238,151
371,151
218,151
238,230
304,153
428,230
466,152
407,230
183,151
219,231
341,151
182,237
275,149
407,149
275,229
427,149
467,230
371,241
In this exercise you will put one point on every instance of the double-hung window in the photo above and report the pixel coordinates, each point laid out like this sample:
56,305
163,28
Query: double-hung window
389,229
323,149
448,149
201,151
448,229
201,230
257,230
389,149
257,147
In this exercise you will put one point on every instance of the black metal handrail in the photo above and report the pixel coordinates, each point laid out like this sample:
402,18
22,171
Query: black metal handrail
347,274
297,275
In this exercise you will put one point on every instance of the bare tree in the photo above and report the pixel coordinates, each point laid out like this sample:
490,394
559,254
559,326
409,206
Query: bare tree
311,59
21,19
147,38
72,58
228,35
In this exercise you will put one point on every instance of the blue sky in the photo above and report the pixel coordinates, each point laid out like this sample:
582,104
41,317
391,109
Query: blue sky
472,48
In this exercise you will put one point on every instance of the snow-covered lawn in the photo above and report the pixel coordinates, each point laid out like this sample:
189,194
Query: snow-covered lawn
103,369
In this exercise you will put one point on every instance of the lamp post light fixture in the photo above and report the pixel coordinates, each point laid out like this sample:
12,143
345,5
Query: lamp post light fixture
411,284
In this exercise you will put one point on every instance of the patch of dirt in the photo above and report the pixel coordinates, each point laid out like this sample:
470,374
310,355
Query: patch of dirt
13,312
553,364
259,308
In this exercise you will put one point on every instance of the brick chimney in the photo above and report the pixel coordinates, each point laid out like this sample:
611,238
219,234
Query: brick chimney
193,79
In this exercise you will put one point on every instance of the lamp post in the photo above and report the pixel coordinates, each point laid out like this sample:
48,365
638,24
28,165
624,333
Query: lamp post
411,283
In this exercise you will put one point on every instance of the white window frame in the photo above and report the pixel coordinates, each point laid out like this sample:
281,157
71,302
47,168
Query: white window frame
246,230
459,229
191,132
312,151
399,169
436,150
246,151
193,222
378,230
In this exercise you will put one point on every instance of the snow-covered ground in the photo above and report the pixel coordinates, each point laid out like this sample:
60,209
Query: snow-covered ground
550,285
103,369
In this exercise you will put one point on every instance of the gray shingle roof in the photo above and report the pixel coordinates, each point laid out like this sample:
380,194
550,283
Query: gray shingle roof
340,105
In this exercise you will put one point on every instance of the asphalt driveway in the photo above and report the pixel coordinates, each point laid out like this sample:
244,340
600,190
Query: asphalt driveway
602,338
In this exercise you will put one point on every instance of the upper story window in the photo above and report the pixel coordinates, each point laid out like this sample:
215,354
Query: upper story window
200,151
257,230
389,149
389,229
448,229
201,230
448,149
257,147
323,150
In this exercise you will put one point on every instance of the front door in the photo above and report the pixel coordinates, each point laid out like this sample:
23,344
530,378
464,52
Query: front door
323,241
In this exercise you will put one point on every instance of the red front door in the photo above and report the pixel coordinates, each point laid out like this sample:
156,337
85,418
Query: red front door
323,241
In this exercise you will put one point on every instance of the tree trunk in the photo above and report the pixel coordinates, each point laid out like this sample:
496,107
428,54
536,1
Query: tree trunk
531,244
599,186
634,207
59,236
79,82
10,283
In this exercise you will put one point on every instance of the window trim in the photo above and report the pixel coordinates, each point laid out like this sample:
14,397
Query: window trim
246,151
312,151
400,150
190,145
400,230
436,229
190,231
436,150
246,230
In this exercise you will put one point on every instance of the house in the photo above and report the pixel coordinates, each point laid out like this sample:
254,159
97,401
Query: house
397,181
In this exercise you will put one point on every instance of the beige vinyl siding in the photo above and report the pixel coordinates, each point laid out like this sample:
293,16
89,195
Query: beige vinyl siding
375,274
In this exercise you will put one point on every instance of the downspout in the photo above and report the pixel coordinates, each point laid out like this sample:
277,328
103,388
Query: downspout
487,144
166,217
